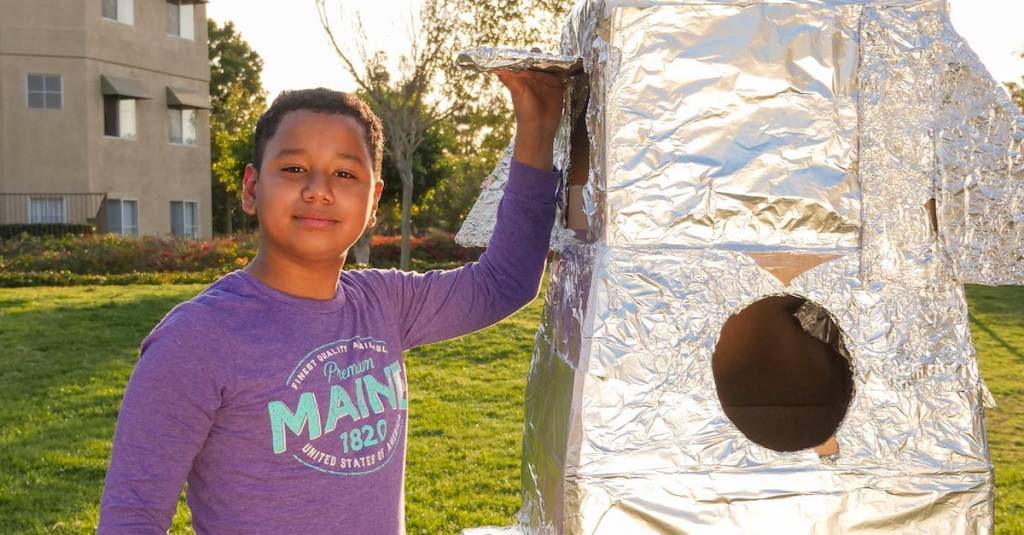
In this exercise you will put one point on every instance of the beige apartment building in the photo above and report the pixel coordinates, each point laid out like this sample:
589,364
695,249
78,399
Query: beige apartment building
104,115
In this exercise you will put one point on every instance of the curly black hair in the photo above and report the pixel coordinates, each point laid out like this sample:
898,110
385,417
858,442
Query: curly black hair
320,100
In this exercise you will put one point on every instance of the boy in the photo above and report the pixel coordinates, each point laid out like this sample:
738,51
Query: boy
279,392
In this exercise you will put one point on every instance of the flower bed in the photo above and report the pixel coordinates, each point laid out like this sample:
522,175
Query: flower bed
432,248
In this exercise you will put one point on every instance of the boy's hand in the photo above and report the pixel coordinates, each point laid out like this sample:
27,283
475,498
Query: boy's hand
537,99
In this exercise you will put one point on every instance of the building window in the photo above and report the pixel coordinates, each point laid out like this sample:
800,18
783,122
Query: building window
123,216
185,219
45,92
47,210
120,10
119,117
180,19
182,125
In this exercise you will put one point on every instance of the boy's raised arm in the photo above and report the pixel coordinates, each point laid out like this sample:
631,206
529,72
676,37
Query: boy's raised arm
165,416
444,304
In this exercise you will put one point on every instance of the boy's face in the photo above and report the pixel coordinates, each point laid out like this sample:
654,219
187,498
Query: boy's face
315,192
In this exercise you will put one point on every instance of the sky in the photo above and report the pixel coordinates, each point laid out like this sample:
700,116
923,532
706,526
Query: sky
296,52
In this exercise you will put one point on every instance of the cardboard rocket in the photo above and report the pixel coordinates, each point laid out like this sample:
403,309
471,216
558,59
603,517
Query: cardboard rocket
755,320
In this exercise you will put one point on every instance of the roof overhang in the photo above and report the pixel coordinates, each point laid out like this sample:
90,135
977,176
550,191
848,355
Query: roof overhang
183,98
122,87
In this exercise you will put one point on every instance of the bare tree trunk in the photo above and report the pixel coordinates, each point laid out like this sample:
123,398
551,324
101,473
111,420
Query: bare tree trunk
362,247
405,170
230,205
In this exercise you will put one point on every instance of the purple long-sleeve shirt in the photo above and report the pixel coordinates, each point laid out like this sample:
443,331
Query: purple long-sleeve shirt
289,415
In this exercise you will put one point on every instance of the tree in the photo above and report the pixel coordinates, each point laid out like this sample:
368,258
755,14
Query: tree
429,167
231,137
465,159
237,100
426,87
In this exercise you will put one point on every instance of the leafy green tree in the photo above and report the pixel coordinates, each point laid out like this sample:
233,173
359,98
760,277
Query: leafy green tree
237,100
472,145
231,138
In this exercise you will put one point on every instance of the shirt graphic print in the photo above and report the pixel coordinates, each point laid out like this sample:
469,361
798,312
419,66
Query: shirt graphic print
348,411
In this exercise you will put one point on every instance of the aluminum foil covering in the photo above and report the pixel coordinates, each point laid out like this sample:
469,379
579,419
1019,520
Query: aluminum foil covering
489,59
656,453
729,148
624,431
723,128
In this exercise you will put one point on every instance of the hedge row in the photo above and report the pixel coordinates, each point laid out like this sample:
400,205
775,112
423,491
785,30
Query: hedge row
18,279
111,259
66,278
9,231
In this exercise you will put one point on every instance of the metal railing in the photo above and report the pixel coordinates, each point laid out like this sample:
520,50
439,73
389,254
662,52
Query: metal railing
52,212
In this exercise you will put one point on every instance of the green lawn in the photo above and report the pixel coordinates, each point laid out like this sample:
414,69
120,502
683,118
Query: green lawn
67,353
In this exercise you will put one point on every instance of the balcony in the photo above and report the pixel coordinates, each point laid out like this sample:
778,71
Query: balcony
50,212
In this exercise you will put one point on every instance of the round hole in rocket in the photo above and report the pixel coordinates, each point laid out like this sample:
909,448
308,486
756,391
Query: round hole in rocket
782,373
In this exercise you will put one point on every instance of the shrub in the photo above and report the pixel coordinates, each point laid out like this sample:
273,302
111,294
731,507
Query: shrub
16,231
112,254
435,247
66,278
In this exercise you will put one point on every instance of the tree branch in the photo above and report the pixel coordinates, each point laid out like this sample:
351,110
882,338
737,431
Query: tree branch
321,8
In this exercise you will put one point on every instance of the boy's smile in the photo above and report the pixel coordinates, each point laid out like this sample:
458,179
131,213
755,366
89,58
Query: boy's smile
315,192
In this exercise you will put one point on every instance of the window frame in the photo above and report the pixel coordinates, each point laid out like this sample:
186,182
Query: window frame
124,15
183,20
103,14
44,92
184,222
120,119
63,209
136,227
182,112
120,203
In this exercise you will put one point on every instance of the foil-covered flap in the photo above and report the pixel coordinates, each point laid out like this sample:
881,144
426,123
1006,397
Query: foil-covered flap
489,59
980,139
478,226
942,172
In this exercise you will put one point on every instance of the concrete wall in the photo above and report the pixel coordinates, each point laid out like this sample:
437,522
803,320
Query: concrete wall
42,150
66,150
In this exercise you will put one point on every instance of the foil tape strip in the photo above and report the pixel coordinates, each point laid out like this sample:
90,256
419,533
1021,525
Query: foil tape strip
488,59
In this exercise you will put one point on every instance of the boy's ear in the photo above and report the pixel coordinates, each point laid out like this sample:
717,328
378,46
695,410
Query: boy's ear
378,188
249,190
